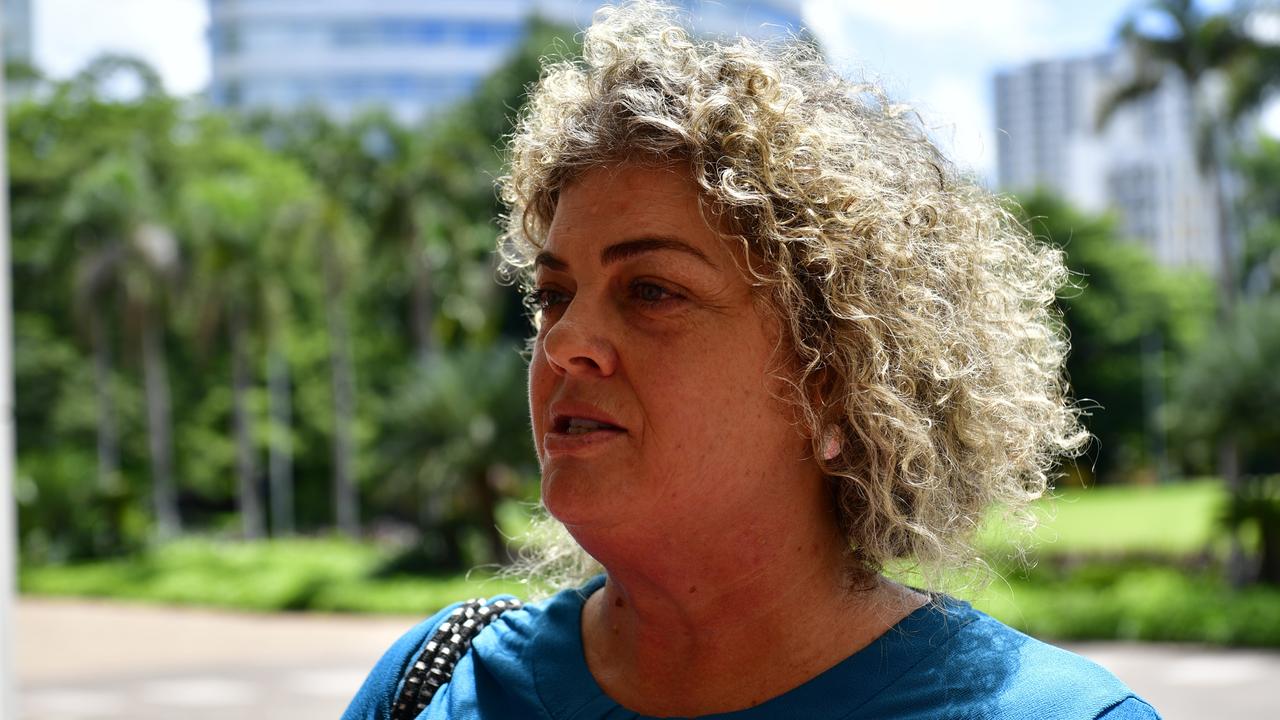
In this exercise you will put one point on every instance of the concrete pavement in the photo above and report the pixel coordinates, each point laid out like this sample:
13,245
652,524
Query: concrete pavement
106,660
1186,682
89,660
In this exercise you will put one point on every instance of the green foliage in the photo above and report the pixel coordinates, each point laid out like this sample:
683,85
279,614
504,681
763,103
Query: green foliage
1134,601
320,574
1134,563
1260,211
1146,582
356,257
1128,319
1229,385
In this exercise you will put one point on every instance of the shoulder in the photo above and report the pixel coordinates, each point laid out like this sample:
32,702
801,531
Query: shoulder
373,700
979,667
1033,679
500,649
1131,708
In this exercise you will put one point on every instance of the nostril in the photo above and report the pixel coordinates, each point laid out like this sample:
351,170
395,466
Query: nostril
579,344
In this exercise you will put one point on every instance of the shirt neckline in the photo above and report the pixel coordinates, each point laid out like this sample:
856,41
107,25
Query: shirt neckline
568,691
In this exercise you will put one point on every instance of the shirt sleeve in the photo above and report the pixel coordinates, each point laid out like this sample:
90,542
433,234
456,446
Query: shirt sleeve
373,701
1131,708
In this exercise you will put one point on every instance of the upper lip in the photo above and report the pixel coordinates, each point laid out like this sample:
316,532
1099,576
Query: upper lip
563,411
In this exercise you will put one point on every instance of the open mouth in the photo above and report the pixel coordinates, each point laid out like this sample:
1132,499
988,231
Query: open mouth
569,425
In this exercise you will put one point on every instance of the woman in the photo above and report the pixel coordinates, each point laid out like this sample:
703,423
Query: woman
780,347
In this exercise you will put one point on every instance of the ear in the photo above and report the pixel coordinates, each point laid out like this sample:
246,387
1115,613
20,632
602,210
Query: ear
819,390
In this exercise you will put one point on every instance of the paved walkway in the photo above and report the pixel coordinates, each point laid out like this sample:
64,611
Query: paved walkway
83,660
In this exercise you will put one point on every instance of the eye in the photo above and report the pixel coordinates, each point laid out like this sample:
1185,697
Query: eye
651,293
546,298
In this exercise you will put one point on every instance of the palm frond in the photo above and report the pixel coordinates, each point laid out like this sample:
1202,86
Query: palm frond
1136,88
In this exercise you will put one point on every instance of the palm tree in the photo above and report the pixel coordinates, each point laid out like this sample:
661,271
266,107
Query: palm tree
348,182
406,182
458,424
338,240
131,257
248,217
1202,49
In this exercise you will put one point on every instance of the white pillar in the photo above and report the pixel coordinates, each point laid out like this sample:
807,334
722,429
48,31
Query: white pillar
8,515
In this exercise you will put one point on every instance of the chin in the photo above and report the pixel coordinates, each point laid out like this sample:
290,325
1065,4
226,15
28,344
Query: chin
582,500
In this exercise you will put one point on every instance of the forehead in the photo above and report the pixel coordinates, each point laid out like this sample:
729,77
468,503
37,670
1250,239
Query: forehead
608,204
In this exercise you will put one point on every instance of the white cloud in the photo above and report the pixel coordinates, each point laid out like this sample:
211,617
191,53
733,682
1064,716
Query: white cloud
999,26
1270,119
957,111
169,34
940,55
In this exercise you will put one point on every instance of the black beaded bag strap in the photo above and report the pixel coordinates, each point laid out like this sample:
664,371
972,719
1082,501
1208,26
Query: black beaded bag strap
434,665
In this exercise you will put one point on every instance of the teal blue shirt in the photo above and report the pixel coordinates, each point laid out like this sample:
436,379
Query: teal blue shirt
944,660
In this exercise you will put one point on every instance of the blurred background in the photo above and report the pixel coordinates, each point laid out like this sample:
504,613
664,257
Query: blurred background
262,363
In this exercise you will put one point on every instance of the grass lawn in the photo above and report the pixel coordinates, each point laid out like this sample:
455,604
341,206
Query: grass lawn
1129,562
299,574
1167,520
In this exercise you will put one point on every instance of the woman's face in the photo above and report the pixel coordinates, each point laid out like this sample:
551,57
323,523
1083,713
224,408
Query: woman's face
650,386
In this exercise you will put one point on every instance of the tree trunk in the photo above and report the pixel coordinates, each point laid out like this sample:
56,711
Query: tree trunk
108,433
1269,567
1153,400
421,312
1226,248
487,500
246,462
110,490
155,372
1229,470
1228,444
280,461
346,500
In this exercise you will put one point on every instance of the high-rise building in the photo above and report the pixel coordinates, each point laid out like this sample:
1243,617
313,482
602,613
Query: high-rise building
413,56
1141,164
17,30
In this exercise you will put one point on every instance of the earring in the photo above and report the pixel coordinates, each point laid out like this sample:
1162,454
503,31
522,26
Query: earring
832,443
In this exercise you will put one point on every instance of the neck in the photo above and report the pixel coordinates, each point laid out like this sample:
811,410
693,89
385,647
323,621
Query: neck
675,632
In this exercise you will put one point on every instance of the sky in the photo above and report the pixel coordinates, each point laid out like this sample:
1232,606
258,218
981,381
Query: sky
937,55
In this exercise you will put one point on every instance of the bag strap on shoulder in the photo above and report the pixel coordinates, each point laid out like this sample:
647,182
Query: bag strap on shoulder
434,665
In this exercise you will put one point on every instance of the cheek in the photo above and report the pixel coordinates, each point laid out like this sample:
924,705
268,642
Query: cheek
541,384
723,403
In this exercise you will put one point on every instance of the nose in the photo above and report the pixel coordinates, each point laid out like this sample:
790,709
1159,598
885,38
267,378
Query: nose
576,344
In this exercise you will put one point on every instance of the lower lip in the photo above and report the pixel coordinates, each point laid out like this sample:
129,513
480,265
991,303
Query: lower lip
556,444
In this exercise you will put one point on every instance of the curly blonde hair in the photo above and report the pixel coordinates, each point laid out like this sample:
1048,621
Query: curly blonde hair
919,312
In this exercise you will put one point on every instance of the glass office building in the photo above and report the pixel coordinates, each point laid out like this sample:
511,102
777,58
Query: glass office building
1142,164
17,30
412,56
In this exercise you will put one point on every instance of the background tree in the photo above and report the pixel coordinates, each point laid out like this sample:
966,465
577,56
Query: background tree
464,445
1119,298
127,259
247,216
1229,385
1260,217
1203,49
1207,51
325,268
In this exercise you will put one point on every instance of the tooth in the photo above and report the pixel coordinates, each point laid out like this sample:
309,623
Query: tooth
580,426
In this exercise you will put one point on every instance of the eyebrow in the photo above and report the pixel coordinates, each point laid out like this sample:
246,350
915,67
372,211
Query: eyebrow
625,250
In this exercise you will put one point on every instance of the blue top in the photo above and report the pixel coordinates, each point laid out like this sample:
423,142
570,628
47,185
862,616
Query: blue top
947,661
